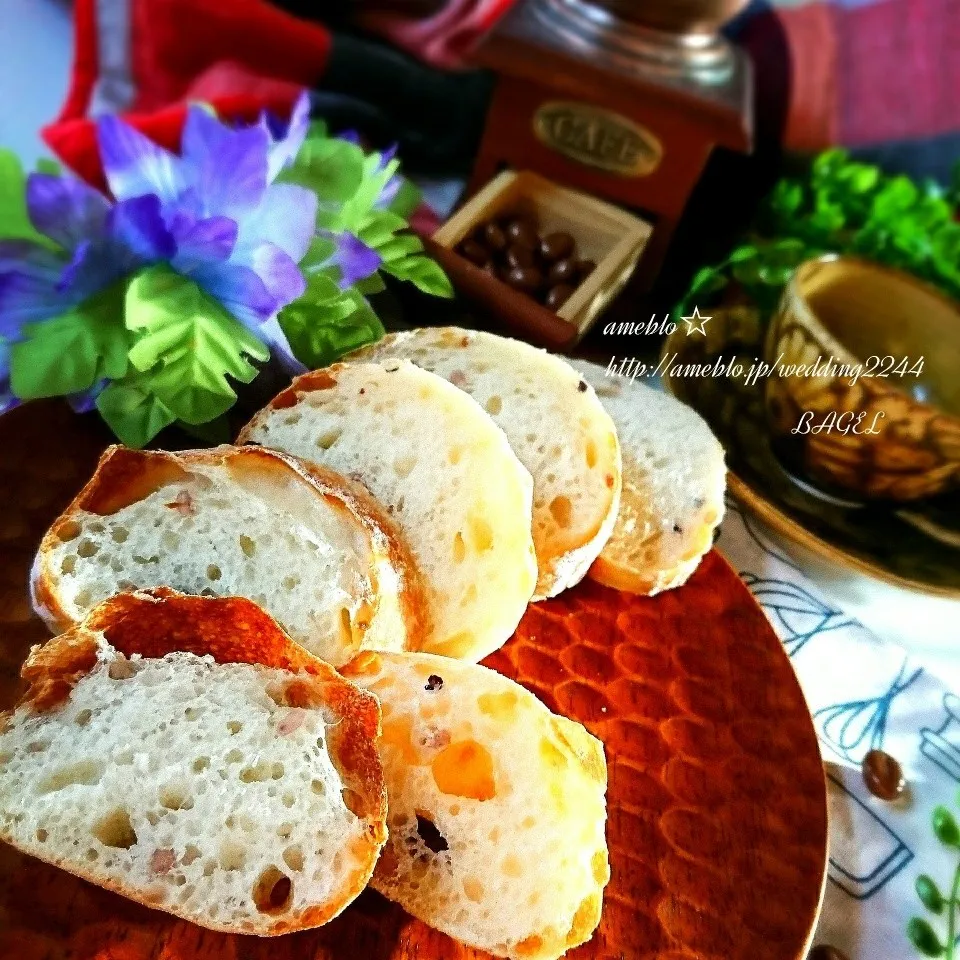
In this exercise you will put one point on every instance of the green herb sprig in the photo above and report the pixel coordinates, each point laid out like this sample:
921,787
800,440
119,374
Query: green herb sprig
920,931
839,206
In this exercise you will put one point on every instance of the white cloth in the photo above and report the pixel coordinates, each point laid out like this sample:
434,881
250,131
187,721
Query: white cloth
864,693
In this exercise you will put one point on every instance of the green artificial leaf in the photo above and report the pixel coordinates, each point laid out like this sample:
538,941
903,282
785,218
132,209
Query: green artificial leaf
70,353
379,226
406,200
922,936
322,287
189,344
49,165
425,274
14,220
370,285
400,246
929,893
945,827
132,411
376,176
332,168
743,254
321,333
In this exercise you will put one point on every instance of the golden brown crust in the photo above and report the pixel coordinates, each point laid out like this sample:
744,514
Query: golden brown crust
124,476
154,623
308,382
52,670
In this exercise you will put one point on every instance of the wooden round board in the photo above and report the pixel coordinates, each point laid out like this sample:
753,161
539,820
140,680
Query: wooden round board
716,800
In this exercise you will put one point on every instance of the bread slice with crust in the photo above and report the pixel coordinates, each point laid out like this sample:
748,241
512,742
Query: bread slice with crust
674,477
497,807
556,426
312,547
184,752
445,473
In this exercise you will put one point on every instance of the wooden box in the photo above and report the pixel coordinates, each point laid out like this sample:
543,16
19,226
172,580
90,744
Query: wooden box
611,237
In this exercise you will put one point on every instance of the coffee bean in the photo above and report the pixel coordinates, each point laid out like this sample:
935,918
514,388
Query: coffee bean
525,279
883,775
563,271
823,951
557,296
556,246
522,233
494,238
585,268
518,256
474,252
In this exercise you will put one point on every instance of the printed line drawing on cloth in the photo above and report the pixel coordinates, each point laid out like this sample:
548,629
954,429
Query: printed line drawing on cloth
853,727
865,853
797,615
942,746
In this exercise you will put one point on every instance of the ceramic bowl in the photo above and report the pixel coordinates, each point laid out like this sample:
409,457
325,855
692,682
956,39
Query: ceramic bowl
863,394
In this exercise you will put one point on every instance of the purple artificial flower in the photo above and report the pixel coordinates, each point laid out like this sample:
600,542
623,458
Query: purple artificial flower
355,259
98,244
237,234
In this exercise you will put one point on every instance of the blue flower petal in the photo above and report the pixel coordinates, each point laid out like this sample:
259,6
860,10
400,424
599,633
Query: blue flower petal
85,400
283,150
239,289
278,271
286,217
134,165
64,208
230,166
7,399
199,240
28,285
137,226
355,259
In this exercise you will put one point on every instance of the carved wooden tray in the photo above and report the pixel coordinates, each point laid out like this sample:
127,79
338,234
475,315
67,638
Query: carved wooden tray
717,807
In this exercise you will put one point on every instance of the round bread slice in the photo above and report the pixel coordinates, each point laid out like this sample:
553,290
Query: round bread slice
674,477
444,472
310,546
497,807
556,426
186,753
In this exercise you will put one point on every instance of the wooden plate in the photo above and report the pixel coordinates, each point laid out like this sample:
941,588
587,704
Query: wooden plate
717,805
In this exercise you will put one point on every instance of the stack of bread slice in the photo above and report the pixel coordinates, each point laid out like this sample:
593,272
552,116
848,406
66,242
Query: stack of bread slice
389,517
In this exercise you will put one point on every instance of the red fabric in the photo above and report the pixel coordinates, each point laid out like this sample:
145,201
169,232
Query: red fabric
241,57
861,74
900,71
445,38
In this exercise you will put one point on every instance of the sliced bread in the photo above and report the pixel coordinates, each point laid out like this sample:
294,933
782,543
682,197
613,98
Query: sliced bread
497,807
311,547
673,482
556,426
184,752
444,472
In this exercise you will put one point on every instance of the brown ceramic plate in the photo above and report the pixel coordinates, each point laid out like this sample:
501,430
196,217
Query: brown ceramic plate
915,546
717,806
